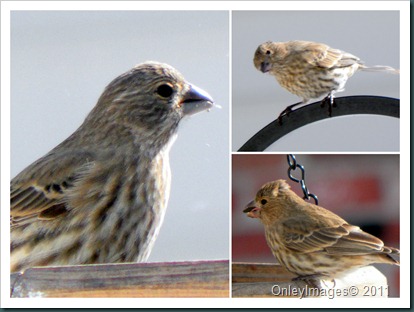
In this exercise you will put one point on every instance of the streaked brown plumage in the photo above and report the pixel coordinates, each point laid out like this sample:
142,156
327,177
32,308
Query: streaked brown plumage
309,70
309,240
100,196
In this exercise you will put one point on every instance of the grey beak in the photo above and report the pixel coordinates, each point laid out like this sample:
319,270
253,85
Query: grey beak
250,206
265,67
196,100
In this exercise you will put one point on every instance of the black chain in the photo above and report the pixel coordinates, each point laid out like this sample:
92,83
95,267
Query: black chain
291,159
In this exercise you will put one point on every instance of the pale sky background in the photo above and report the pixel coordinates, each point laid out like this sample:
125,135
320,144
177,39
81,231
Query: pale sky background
258,99
62,60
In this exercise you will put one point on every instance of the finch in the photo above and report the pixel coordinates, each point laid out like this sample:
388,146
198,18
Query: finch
310,241
100,196
308,69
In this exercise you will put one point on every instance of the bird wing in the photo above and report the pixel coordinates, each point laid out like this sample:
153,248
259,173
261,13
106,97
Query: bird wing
323,56
44,195
356,242
306,236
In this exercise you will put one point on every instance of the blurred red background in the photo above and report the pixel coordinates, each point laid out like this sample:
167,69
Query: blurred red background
362,189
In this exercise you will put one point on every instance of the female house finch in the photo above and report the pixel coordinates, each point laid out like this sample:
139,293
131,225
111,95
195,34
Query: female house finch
309,240
100,196
308,69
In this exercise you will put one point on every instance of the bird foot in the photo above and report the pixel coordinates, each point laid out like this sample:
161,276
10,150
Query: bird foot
314,284
285,112
314,280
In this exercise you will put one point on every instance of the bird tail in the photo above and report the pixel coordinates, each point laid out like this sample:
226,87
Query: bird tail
388,259
380,68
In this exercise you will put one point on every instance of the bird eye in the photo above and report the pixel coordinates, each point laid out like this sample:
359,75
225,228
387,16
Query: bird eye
165,90
263,201
268,52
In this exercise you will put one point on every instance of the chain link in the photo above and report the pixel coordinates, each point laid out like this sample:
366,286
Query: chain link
293,165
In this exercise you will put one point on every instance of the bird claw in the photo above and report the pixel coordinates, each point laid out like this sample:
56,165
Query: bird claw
285,112
314,280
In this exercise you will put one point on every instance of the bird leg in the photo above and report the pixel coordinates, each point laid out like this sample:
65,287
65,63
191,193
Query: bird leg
330,99
287,111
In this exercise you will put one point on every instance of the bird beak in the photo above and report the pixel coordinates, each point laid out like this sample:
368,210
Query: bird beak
251,210
265,66
196,100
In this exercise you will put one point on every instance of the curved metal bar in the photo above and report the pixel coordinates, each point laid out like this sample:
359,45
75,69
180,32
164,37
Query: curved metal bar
347,105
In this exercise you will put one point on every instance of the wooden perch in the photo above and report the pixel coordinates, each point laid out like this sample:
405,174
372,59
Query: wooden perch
171,279
272,280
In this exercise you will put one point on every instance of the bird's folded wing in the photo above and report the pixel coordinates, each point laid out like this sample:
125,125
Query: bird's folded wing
342,239
323,56
347,59
320,55
40,190
356,242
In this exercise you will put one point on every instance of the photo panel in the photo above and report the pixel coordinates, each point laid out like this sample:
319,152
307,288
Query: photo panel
359,125
65,62
358,190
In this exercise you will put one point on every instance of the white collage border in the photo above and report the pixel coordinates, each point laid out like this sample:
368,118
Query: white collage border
402,6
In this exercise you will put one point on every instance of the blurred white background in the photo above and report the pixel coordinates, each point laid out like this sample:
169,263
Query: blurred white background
258,99
62,60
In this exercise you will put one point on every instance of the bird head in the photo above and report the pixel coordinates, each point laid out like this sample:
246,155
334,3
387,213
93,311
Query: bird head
267,199
262,57
267,56
149,101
